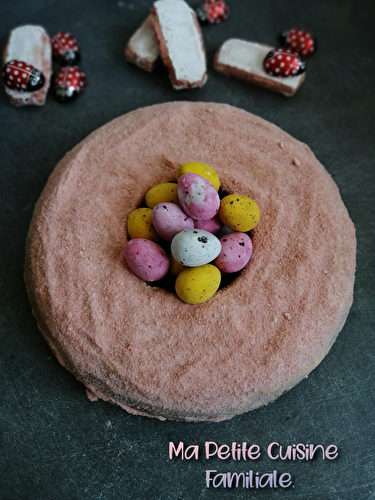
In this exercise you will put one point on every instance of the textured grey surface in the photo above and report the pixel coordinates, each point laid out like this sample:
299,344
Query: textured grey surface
54,443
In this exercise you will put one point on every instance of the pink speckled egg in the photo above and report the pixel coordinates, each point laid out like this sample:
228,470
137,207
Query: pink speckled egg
236,250
197,196
212,225
169,219
146,259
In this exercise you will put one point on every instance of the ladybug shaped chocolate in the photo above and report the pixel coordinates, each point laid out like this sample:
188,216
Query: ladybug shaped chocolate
20,76
212,12
70,81
284,64
299,41
65,48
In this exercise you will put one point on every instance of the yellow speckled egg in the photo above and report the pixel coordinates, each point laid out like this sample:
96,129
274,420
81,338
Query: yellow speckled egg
162,193
198,284
140,225
175,268
200,169
239,212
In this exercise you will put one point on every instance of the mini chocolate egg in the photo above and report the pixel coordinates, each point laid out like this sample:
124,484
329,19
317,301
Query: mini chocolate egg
200,169
176,268
140,225
212,225
239,212
197,196
236,250
198,284
162,193
195,247
146,259
169,219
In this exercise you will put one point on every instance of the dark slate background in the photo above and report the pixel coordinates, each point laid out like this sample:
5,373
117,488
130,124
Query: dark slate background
54,443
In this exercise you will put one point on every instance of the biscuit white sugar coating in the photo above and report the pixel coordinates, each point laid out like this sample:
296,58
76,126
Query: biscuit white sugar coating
180,43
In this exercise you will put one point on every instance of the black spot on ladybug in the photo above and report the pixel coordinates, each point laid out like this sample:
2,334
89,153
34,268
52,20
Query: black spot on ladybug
270,54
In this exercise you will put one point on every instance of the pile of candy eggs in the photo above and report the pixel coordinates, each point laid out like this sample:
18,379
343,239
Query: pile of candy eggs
175,233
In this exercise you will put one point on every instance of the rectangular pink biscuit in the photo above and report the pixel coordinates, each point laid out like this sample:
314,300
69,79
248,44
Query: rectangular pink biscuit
142,49
32,45
244,60
180,43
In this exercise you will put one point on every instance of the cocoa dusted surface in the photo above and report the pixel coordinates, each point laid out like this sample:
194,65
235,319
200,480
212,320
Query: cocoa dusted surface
140,346
54,442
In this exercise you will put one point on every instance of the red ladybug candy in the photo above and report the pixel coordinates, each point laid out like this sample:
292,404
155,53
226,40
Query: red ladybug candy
70,81
23,77
65,48
299,41
212,12
284,64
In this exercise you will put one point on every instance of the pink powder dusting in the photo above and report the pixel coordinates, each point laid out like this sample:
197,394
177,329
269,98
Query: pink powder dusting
141,347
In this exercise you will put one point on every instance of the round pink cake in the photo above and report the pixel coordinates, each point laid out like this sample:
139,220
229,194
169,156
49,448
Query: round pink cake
141,347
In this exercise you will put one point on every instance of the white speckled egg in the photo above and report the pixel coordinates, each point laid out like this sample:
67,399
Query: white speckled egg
197,196
195,247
